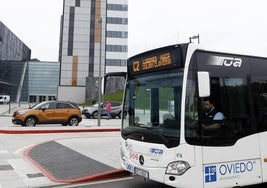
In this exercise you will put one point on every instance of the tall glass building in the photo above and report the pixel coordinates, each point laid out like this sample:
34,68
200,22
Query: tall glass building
12,54
21,78
11,47
41,81
93,38
31,81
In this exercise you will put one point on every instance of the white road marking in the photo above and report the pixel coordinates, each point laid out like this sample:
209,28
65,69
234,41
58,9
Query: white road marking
22,149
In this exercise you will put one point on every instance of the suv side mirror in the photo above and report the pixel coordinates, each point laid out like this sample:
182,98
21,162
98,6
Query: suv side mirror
203,84
43,108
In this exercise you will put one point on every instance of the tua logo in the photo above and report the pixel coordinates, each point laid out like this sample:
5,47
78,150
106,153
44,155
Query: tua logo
229,61
225,61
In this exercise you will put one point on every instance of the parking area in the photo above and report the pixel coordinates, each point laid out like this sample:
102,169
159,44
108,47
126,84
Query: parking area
6,112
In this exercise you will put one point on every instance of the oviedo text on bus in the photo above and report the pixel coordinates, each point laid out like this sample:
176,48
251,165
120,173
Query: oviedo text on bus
195,118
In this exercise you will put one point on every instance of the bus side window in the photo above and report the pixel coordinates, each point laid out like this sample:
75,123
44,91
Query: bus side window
236,108
231,100
259,87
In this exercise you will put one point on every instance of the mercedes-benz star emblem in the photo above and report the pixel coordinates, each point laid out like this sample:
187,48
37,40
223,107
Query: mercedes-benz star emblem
141,159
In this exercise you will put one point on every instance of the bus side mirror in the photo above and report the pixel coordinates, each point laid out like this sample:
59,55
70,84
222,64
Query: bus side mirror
203,84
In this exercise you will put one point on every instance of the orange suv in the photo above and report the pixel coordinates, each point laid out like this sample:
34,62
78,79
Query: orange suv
49,112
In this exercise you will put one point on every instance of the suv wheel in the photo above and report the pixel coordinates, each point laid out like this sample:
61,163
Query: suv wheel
95,115
73,121
31,121
119,115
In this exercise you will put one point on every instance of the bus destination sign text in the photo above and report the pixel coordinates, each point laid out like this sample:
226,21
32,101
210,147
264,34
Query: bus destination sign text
151,63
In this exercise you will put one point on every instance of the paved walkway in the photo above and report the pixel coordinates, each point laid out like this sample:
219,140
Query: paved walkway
8,109
86,125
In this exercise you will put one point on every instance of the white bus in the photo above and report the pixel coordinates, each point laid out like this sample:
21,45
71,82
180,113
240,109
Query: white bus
162,134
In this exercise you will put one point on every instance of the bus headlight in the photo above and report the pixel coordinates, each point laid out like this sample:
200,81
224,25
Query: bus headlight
122,155
177,167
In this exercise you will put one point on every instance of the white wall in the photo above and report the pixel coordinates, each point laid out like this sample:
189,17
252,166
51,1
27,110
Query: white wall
71,93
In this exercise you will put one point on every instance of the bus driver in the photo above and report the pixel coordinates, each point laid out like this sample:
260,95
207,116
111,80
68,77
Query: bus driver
210,117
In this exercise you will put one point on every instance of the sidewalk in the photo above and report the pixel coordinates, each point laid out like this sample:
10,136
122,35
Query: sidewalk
8,109
86,125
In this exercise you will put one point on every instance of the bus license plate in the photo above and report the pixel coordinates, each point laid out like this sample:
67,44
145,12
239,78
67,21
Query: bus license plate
141,172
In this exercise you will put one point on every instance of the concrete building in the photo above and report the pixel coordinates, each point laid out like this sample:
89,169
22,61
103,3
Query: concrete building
93,38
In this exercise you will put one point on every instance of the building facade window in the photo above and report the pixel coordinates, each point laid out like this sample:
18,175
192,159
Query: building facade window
116,48
113,20
117,7
77,3
117,34
116,62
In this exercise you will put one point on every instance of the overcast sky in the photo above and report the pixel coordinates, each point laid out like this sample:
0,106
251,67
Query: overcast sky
238,26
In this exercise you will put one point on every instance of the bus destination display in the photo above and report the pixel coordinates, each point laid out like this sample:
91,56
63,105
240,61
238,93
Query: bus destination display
153,61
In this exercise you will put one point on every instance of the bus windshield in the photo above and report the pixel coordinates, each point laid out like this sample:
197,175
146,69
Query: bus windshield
152,108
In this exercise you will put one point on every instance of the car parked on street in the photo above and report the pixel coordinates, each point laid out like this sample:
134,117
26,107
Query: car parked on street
49,112
92,111
4,99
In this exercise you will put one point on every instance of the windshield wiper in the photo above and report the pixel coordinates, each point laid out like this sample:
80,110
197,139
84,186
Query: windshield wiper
145,134
164,139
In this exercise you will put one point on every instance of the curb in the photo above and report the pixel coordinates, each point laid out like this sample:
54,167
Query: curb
58,131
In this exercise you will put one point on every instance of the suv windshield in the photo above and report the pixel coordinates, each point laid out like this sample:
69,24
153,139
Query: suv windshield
152,108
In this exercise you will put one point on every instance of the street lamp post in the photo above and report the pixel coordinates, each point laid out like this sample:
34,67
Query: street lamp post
194,37
99,73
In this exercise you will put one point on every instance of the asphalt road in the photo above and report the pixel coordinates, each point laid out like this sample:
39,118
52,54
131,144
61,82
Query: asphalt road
126,182
129,182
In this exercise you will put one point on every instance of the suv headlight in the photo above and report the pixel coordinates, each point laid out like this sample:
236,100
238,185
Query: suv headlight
177,167
20,112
